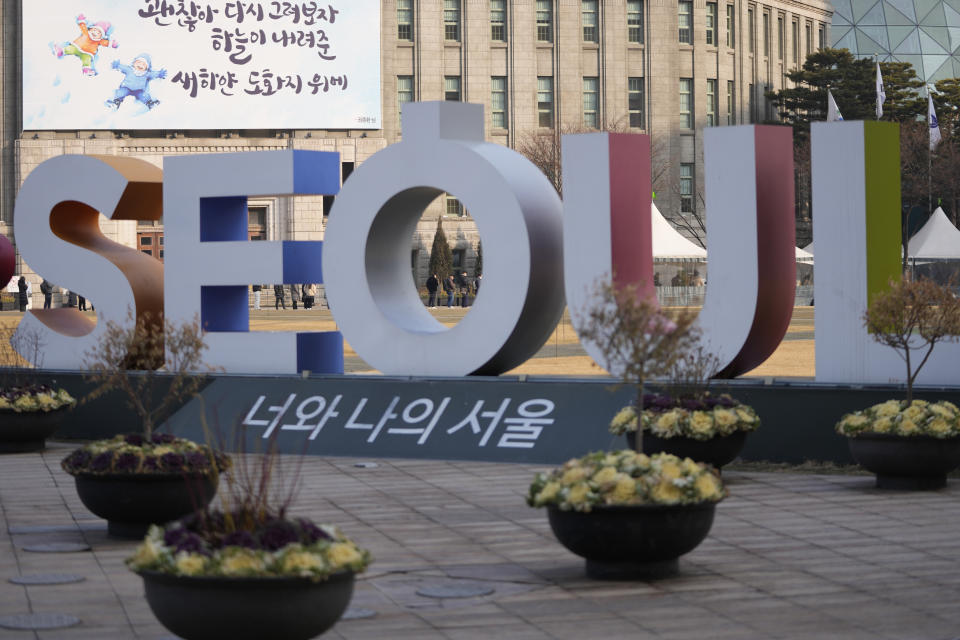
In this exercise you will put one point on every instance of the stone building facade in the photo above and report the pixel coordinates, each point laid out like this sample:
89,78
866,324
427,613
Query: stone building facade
539,67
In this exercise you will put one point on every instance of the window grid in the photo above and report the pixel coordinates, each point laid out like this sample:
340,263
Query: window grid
752,103
545,101
404,19
454,206
795,27
712,24
591,96
404,91
752,29
588,17
635,102
809,33
498,102
544,20
780,37
685,19
686,188
635,21
686,103
451,88
498,20
821,35
711,102
730,26
766,34
451,20
731,104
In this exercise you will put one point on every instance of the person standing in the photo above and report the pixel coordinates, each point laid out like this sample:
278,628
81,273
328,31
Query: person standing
47,290
256,296
464,286
22,294
81,302
433,282
449,287
278,299
294,295
309,295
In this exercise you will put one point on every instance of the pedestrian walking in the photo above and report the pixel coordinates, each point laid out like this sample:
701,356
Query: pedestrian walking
294,295
433,282
256,296
278,298
449,287
47,290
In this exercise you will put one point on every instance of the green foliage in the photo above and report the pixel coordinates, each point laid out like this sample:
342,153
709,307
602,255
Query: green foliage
479,268
441,257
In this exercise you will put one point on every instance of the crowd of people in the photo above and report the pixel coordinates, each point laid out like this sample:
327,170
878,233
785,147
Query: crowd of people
459,290
300,294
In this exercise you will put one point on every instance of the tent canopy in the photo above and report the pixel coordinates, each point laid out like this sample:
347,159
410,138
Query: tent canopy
804,255
668,243
938,239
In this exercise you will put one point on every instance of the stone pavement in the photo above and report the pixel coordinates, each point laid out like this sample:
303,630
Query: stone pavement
789,556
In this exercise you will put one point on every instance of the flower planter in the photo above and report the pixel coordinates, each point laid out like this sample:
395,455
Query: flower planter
717,451
632,542
132,502
241,608
27,430
906,462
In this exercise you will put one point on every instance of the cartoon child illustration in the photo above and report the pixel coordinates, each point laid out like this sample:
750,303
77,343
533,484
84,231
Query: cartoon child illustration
93,35
136,78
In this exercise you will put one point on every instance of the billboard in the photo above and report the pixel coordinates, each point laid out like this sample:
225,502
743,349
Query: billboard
182,64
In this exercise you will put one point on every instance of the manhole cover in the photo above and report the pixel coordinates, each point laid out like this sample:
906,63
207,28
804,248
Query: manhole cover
47,578
38,621
455,590
366,465
358,614
57,547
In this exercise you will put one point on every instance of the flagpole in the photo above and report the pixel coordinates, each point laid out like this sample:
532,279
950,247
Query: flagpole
929,165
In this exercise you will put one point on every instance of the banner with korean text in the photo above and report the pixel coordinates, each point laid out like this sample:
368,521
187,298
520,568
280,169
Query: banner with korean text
181,64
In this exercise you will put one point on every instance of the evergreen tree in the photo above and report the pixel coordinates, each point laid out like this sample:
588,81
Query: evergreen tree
479,268
441,257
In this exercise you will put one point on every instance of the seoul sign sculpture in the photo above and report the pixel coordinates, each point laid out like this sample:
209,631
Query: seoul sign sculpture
540,251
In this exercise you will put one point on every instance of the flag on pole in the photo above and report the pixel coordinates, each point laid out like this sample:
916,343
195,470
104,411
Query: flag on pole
881,94
833,113
934,124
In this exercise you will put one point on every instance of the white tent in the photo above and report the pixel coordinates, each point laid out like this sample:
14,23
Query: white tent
668,243
805,255
938,239
809,248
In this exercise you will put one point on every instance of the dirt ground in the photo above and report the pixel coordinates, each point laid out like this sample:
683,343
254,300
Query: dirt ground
560,356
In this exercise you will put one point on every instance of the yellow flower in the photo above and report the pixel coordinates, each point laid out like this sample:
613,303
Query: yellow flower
5,404
547,494
578,494
914,412
882,425
746,416
190,564
64,397
691,466
666,493
855,420
241,562
605,475
342,554
46,401
625,420
943,411
24,403
670,470
572,476
145,555
939,425
724,417
667,421
709,487
625,489
701,422
908,427
162,450
949,405
887,409
302,562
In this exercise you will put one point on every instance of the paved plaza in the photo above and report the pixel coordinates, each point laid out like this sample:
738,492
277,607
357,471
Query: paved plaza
789,556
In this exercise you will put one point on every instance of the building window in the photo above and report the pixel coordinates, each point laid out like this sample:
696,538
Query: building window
635,21
780,37
544,20
404,91
766,34
498,20
635,101
795,27
712,23
751,103
545,101
257,223
453,206
809,33
686,103
451,20
686,188
459,259
731,104
730,21
451,88
821,34
588,16
404,19
498,102
752,31
591,97
685,16
711,102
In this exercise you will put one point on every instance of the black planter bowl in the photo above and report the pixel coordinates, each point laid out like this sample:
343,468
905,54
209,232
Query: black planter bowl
715,451
130,503
26,431
632,542
909,463
223,608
